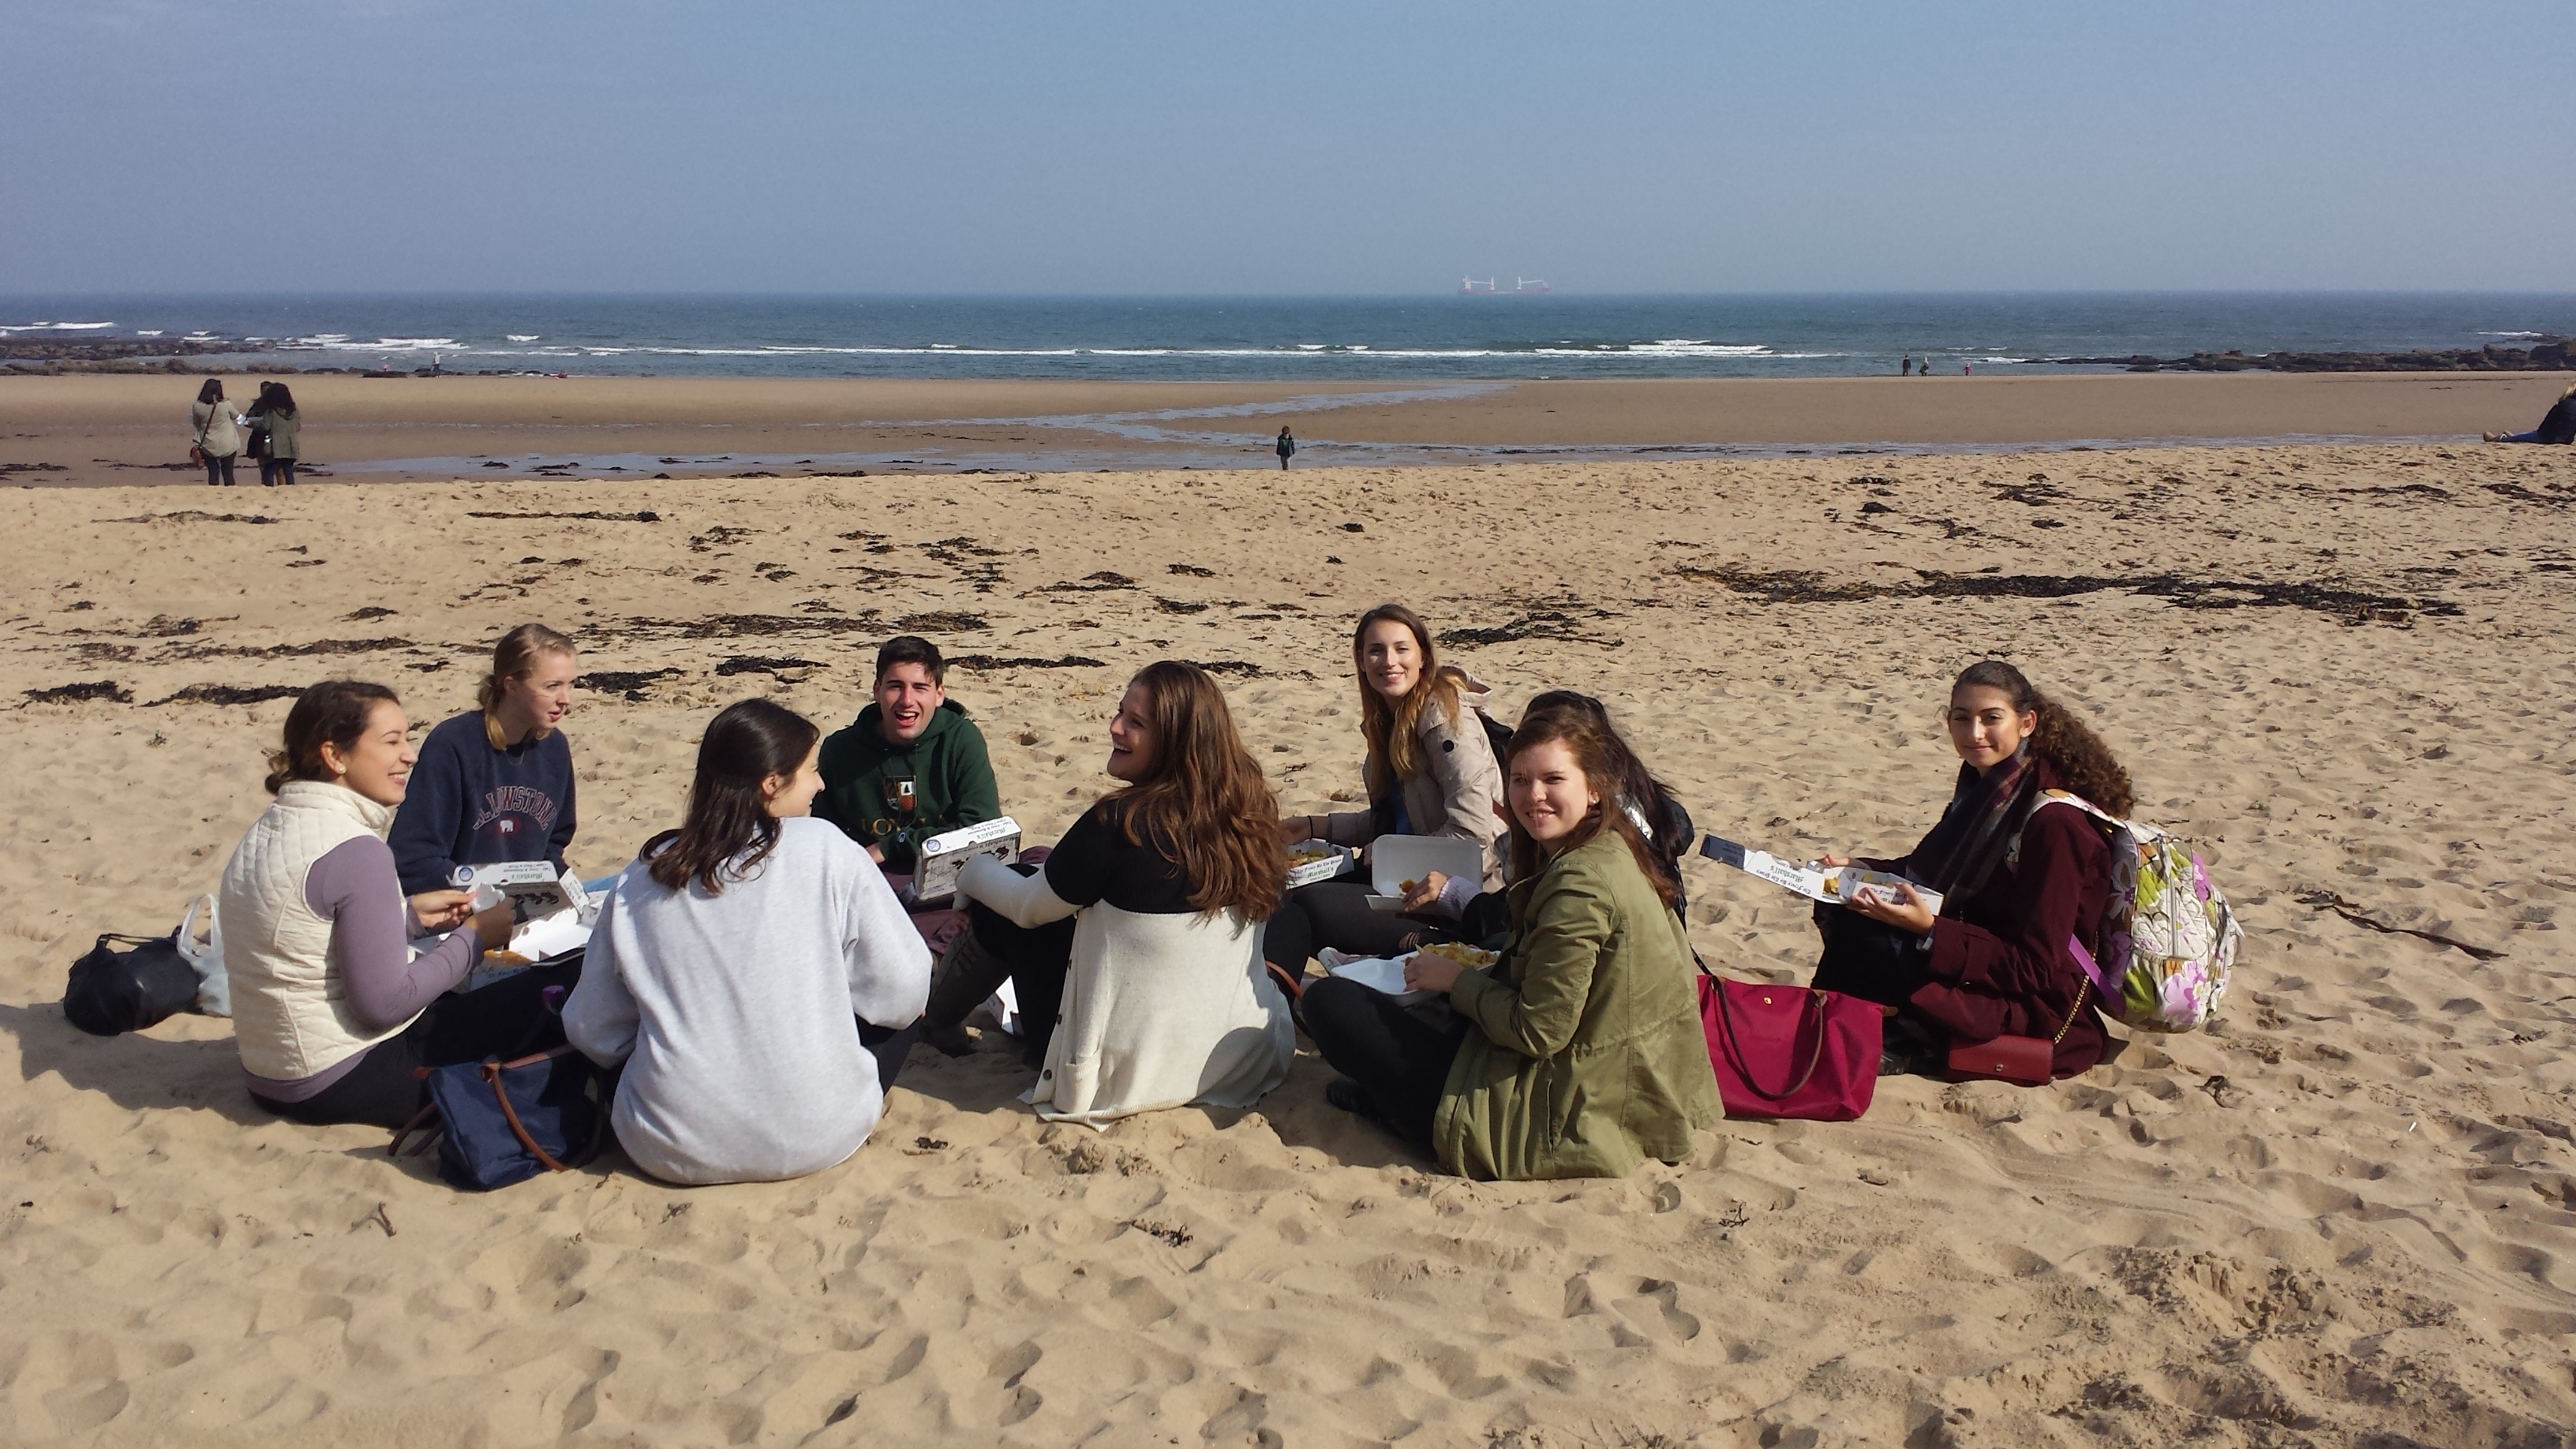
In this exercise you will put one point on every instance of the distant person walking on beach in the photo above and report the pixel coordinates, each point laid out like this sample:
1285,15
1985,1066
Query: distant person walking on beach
2557,426
1906,368
218,433
1287,445
273,415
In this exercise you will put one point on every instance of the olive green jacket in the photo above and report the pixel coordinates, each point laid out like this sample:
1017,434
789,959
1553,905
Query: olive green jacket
1588,1057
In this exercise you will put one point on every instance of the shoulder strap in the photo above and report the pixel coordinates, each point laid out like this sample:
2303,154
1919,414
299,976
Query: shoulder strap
2068,797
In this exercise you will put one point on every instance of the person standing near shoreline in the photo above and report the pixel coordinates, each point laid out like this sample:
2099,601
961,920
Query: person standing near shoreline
218,429
1286,446
274,414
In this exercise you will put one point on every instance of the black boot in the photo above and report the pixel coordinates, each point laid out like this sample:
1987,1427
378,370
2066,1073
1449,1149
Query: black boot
967,977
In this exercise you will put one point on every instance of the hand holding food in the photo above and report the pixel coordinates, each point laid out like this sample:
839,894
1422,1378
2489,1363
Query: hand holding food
1436,967
440,910
1423,892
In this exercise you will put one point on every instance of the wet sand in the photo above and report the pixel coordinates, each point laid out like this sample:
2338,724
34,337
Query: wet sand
127,429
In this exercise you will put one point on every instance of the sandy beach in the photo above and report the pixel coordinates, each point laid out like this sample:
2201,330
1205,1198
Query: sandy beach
130,429
2341,1217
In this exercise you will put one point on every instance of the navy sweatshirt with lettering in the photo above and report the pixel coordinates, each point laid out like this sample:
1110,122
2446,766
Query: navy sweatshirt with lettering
470,804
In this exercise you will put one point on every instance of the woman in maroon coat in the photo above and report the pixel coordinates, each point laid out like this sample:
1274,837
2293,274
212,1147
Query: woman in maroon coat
2019,878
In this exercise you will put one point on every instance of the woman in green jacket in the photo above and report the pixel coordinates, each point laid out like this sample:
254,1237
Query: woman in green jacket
1580,1053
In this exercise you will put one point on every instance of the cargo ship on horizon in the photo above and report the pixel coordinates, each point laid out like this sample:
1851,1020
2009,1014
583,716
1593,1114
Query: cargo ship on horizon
1521,287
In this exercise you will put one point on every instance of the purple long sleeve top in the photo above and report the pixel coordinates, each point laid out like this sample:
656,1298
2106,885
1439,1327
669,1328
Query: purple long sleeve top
354,887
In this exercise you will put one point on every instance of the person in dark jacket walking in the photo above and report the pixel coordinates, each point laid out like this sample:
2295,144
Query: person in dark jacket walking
2557,426
1287,447
495,783
2018,877
912,765
273,416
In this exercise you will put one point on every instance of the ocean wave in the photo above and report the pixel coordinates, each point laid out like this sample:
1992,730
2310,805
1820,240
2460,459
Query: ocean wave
56,326
523,336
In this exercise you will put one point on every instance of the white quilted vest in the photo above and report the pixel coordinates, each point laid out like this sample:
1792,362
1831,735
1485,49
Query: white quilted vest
290,1009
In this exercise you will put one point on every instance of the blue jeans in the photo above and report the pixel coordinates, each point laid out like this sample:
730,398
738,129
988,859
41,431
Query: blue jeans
273,471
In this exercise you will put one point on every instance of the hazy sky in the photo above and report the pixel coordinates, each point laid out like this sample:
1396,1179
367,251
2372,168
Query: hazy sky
825,145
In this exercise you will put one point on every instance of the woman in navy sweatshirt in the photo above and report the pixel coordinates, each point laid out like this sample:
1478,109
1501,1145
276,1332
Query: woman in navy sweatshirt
495,784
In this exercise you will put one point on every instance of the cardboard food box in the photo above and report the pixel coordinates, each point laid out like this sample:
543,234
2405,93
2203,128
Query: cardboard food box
1395,859
1336,860
1838,886
534,889
934,878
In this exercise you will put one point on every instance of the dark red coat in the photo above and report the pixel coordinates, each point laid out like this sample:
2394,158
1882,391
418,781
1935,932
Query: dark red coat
2000,966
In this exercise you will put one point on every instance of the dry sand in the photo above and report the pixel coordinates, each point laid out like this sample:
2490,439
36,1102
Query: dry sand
129,429
2341,1217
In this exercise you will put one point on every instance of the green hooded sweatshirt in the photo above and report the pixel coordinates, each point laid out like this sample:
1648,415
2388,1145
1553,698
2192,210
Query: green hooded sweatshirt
951,778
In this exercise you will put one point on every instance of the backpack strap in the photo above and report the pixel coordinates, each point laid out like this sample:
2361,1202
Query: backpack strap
2068,797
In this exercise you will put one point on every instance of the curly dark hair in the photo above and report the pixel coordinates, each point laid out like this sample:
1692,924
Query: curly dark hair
2083,763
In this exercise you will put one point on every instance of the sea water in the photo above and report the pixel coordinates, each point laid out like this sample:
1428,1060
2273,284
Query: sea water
1291,339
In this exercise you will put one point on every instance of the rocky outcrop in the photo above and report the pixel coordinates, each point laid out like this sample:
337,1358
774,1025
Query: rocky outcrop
2552,354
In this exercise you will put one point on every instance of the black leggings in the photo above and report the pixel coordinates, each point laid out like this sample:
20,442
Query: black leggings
219,469
1038,957
509,1018
1399,1060
1336,913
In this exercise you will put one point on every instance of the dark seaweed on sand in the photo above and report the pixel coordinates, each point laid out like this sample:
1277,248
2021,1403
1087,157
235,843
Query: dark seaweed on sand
106,689
228,694
941,621
1802,586
761,664
997,661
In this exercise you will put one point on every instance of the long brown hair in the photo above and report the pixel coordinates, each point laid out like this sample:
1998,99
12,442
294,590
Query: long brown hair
2083,763
334,712
1392,729
515,657
1202,801
729,823
1603,757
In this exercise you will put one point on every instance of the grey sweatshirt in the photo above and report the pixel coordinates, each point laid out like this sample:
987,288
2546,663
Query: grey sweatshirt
737,1014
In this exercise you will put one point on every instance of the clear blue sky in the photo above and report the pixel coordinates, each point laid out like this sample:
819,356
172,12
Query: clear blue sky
823,145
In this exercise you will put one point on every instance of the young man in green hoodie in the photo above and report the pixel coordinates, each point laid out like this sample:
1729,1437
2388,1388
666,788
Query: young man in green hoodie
911,765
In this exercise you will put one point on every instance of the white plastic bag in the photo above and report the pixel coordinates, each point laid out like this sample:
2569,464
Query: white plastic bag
214,987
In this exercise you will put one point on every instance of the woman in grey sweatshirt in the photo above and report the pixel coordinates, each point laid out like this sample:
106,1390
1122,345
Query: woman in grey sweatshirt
753,971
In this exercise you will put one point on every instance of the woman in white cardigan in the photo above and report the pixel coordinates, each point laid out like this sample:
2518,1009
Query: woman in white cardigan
752,970
1159,998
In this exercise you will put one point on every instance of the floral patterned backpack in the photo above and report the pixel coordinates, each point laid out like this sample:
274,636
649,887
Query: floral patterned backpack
2168,937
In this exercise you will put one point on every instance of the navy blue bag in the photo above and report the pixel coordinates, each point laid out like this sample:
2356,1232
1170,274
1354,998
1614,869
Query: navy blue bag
502,1122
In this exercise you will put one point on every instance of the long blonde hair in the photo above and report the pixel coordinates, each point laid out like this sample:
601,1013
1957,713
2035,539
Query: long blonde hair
1392,729
515,657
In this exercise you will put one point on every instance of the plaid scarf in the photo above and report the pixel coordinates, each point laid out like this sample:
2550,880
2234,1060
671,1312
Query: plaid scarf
1985,813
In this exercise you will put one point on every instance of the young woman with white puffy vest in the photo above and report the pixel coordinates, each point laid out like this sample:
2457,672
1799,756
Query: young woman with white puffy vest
333,1009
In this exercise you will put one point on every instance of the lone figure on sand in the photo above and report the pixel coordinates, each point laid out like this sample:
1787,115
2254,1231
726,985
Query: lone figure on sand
1286,446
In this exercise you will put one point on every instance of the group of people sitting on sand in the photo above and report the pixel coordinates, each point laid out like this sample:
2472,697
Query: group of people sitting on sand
757,982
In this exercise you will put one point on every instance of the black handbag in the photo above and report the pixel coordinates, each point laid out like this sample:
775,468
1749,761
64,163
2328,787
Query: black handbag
112,992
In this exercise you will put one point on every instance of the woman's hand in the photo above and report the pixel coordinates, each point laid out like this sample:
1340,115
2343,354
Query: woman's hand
1426,891
1294,828
1430,971
1908,912
495,925
441,910
1831,861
